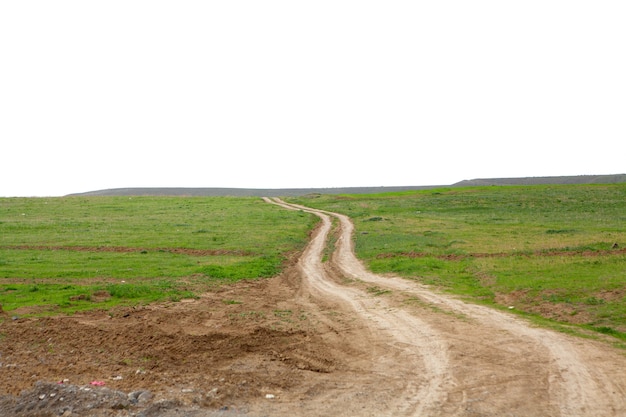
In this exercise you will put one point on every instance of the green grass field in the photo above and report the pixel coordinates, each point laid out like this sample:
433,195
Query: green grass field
547,251
74,253
544,250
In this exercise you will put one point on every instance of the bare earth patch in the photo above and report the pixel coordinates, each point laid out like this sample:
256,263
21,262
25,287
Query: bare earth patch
125,249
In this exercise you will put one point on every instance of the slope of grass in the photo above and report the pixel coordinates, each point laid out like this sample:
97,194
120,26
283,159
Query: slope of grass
548,249
56,252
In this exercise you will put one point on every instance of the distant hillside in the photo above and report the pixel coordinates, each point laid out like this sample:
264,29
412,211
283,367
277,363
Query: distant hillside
578,179
244,192
287,192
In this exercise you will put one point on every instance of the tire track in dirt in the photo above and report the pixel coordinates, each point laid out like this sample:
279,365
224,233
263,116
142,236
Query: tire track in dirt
421,357
577,387
582,377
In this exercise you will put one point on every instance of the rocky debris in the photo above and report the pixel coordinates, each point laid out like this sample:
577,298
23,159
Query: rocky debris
60,399
50,399
140,397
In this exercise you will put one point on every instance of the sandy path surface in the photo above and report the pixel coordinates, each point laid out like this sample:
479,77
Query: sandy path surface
398,345
476,361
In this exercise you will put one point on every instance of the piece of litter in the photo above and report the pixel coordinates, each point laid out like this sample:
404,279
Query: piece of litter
97,383
270,396
186,390
42,396
53,395
117,378
511,307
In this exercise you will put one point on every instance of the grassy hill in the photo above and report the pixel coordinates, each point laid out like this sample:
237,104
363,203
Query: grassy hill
578,179
243,192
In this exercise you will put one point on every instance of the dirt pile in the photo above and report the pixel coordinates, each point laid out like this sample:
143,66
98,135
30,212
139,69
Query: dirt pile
222,351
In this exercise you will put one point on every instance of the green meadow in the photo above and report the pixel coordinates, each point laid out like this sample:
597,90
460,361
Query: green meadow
554,252
75,253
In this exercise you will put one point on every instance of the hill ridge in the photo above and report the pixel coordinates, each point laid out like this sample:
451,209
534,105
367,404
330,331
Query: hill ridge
571,179
287,192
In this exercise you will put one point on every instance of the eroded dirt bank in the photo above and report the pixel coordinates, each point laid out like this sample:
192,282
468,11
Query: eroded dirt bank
322,339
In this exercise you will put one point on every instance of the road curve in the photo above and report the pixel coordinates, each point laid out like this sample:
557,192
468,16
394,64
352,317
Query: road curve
466,359
424,367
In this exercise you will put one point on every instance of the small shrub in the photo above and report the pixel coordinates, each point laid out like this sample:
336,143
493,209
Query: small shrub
606,330
377,291
559,231
593,301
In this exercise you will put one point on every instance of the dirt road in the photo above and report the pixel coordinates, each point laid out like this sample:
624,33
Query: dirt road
466,359
327,337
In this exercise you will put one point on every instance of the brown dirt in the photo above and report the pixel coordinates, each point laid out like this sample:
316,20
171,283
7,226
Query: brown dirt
321,339
543,253
126,249
562,312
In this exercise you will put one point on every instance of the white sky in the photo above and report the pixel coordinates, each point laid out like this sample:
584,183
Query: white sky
282,94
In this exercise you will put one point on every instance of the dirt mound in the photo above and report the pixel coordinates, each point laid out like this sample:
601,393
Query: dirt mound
222,351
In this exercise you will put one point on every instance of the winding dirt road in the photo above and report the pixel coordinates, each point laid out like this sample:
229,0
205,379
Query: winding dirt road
421,353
